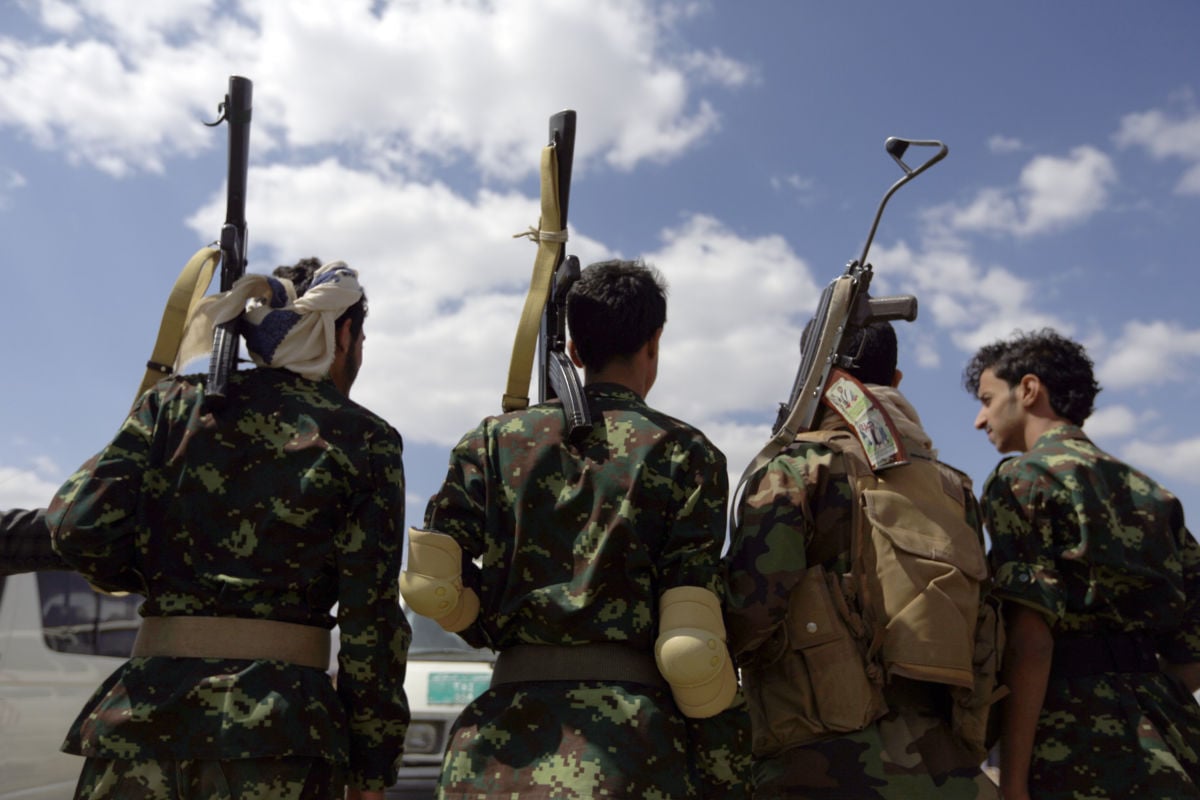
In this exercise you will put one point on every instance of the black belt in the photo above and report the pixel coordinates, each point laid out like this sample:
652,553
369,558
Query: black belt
1078,655
600,661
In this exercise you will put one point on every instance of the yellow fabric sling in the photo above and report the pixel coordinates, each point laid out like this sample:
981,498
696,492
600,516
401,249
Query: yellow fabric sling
551,239
189,288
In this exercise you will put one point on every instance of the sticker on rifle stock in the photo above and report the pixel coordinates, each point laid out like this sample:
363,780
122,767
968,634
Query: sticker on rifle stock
855,404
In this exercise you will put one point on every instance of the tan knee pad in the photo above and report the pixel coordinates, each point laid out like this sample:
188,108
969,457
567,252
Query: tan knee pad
432,582
691,651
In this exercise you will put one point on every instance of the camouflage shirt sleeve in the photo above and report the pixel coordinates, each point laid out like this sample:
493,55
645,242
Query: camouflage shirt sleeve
93,520
1022,554
691,551
371,662
1182,645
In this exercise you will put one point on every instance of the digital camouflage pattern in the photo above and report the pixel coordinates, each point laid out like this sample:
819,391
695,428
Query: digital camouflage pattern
289,502
797,512
1098,547
261,779
575,544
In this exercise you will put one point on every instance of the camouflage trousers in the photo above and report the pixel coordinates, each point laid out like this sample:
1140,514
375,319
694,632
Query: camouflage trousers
559,740
906,755
241,779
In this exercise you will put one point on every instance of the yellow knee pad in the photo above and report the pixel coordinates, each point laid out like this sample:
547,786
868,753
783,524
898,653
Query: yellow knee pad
691,651
432,582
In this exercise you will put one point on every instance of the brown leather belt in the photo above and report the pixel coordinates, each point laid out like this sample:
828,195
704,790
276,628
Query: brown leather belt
233,637
599,661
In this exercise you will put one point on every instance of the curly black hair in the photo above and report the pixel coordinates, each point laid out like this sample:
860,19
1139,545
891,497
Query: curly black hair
1062,365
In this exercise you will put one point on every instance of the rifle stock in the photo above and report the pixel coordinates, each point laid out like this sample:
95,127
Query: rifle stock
236,112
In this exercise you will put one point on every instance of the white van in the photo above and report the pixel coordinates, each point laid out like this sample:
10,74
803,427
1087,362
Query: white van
59,640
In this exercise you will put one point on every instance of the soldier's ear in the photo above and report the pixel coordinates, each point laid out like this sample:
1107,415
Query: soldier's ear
1030,390
573,352
343,337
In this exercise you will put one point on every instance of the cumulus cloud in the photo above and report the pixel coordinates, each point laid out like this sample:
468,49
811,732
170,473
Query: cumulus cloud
976,303
1166,137
1114,422
29,487
1172,461
1052,193
1150,353
123,85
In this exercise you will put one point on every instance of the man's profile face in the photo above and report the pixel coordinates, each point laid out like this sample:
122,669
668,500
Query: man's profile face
1001,414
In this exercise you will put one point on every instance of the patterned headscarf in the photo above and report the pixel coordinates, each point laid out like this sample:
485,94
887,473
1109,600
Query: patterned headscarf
280,329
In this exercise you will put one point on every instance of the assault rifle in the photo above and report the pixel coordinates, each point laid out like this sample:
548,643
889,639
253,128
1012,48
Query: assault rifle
553,274
236,111
845,307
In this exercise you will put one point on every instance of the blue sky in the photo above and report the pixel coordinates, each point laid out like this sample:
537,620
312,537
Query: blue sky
737,146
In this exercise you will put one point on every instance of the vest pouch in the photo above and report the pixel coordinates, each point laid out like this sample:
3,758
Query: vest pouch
818,686
929,567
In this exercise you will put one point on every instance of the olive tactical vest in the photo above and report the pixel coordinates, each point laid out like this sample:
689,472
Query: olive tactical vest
913,606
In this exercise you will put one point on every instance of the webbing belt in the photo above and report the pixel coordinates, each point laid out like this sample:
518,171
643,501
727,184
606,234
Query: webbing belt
551,238
189,288
600,661
233,637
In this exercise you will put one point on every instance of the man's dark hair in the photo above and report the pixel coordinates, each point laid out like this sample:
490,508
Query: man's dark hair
613,309
1061,364
876,349
301,275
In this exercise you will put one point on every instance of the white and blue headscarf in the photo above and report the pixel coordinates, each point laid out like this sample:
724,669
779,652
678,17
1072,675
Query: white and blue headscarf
280,329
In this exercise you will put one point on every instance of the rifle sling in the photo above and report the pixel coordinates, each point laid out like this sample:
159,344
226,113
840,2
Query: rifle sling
233,637
189,287
550,238
598,661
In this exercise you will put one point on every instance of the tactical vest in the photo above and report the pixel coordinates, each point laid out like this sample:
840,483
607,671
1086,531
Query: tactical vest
914,606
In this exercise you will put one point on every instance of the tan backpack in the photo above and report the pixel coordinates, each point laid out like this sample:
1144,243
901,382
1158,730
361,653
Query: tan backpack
914,605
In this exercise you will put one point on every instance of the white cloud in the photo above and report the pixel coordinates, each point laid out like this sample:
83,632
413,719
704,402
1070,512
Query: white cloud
1178,461
1114,422
1150,353
28,488
1165,137
1004,144
977,304
1052,193
735,311
423,80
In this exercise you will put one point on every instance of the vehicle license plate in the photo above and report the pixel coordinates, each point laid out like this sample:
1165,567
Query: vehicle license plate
457,688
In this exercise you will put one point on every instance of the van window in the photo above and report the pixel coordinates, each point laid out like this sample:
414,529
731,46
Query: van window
78,619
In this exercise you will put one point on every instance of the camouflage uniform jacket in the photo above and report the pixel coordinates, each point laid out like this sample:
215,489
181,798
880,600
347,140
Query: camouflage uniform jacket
575,544
1098,547
798,512
290,502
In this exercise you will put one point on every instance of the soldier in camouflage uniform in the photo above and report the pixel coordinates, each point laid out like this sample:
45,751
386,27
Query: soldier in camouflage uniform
797,519
1100,579
566,549
242,526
